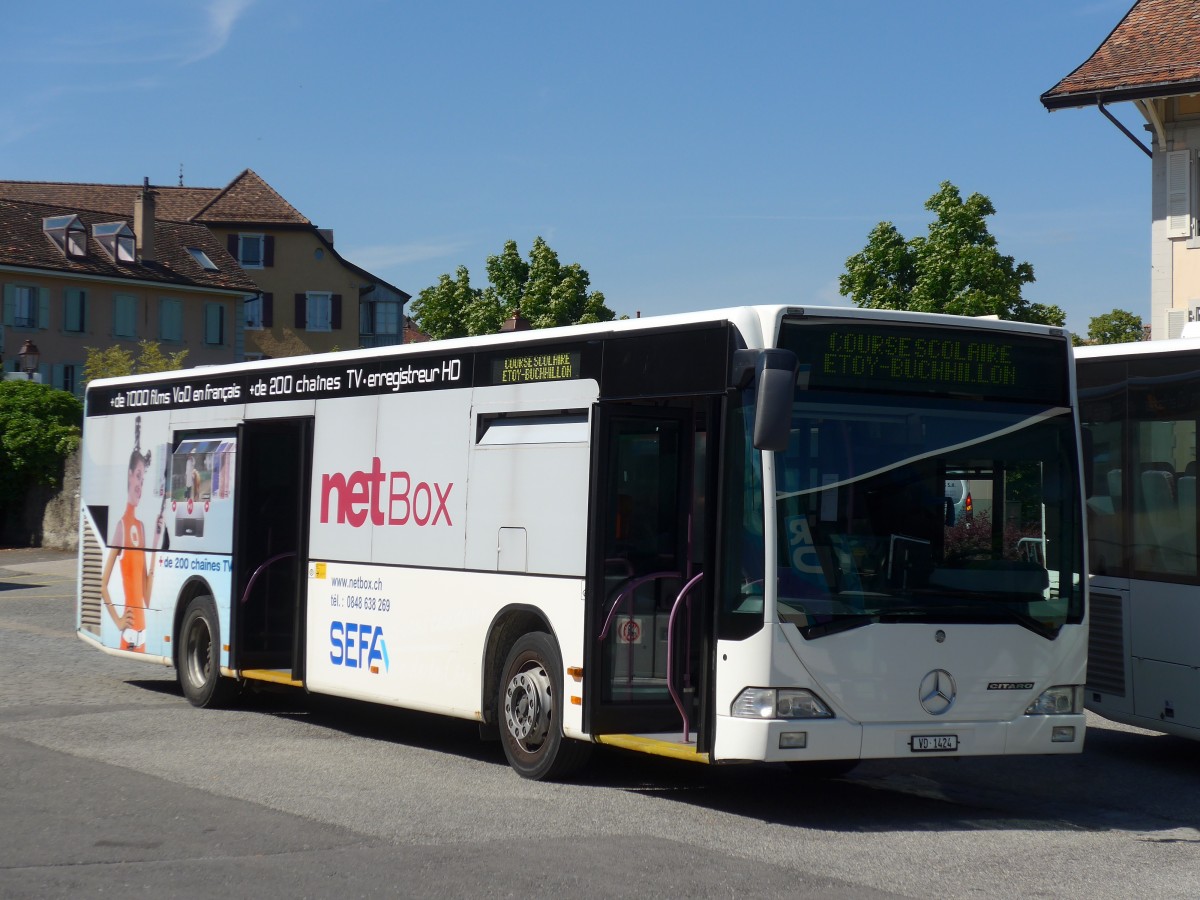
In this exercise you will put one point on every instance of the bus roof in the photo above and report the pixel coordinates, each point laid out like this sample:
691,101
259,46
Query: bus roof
1138,348
753,322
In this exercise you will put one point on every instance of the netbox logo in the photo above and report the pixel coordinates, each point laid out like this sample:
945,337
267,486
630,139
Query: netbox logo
386,498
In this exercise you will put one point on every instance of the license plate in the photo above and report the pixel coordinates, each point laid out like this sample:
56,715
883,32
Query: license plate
933,743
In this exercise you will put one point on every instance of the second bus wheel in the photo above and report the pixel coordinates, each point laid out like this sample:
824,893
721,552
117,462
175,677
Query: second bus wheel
530,711
198,663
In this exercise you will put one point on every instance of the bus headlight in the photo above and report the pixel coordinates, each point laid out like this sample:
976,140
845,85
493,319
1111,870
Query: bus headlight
779,703
1061,700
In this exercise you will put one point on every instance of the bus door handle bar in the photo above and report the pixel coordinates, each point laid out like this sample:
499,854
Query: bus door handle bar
260,569
683,594
627,591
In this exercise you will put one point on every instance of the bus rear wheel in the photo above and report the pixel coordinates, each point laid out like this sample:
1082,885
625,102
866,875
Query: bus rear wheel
199,656
530,708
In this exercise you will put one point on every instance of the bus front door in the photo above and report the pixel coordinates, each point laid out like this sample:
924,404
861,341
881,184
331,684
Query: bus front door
270,544
648,649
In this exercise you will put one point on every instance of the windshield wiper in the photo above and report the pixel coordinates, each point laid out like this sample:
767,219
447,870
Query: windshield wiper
970,605
839,623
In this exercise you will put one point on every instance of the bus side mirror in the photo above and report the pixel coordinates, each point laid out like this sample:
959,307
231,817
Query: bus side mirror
774,389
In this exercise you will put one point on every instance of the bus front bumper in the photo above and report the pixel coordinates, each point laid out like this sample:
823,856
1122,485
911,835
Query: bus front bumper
814,739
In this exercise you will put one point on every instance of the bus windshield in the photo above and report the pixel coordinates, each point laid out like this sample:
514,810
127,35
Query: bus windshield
927,508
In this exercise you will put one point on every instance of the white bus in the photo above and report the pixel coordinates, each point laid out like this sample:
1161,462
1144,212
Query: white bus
1140,404
722,537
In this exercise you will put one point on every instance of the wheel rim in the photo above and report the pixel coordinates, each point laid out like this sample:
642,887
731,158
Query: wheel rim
199,652
527,705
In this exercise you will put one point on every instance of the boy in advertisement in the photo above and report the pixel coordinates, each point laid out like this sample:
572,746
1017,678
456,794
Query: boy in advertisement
128,544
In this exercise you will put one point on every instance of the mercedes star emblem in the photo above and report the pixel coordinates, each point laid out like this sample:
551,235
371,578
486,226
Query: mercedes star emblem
937,692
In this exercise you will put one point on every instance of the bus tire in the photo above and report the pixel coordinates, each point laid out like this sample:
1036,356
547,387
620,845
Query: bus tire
530,705
198,665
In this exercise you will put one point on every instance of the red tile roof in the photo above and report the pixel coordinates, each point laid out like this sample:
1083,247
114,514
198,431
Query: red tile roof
1153,52
24,244
177,204
413,334
249,199
246,199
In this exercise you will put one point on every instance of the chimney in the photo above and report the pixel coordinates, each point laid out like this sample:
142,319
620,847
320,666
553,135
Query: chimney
143,222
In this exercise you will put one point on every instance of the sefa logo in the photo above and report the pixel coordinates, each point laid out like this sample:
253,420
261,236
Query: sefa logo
358,646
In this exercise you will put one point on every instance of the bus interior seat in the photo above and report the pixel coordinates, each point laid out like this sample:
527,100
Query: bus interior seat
1114,488
1168,547
1186,488
1158,493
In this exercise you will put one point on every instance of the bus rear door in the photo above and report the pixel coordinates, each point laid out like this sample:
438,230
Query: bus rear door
270,545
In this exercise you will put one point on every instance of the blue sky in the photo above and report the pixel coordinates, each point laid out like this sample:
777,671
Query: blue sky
687,154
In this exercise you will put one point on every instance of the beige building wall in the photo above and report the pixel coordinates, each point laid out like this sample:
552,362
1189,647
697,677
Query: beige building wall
1185,276
60,346
303,263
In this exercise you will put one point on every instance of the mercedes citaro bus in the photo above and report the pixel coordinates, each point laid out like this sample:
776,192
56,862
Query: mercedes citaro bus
720,536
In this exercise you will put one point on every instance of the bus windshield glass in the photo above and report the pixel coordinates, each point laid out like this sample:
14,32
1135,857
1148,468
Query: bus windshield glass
954,502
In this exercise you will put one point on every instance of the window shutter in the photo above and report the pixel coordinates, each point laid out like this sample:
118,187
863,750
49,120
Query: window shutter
231,242
10,304
301,311
1179,193
170,319
268,310
1176,319
335,312
43,308
75,310
269,250
125,316
57,377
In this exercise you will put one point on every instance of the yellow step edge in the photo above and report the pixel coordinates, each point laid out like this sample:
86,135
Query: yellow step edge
654,746
275,676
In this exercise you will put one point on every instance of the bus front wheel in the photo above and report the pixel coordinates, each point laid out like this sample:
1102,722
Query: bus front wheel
530,708
199,662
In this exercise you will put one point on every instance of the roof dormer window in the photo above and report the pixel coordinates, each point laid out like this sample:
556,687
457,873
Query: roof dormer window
117,240
68,234
202,258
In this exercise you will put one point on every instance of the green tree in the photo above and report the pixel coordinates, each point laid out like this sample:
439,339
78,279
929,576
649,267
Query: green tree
1116,327
543,290
956,268
39,428
114,361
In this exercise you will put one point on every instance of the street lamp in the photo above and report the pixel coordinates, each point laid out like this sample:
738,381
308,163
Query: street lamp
28,358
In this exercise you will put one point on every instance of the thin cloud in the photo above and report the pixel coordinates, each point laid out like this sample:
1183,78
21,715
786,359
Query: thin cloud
385,256
12,132
222,16
147,44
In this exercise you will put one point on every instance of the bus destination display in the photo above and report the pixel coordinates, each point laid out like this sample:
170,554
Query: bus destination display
527,369
849,356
